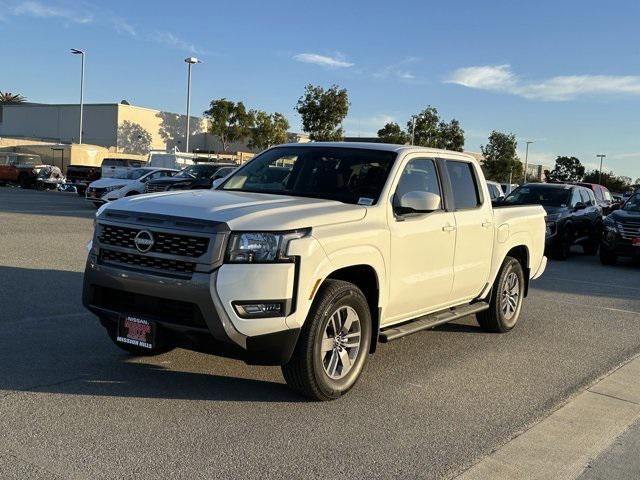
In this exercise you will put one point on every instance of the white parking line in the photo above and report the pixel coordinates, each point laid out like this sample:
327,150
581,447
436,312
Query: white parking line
586,305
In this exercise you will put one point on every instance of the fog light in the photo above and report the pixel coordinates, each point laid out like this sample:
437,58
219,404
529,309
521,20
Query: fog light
259,309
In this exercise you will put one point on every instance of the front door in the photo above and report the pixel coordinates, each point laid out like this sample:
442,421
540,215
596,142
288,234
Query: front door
475,231
422,248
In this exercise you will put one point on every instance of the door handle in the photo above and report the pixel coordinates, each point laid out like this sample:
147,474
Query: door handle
449,228
486,224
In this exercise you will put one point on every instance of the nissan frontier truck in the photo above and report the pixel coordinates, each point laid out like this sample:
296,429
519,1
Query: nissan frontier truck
310,255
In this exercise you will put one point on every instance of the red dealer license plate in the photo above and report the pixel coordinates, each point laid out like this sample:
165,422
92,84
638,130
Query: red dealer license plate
136,331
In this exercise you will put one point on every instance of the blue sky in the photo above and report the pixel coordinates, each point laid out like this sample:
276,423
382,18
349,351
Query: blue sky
564,74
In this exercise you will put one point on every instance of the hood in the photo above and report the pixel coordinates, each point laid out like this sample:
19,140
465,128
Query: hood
624,215
244,210
107,182
171,180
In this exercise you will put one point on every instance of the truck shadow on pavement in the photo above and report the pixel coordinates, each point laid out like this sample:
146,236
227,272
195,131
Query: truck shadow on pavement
49,343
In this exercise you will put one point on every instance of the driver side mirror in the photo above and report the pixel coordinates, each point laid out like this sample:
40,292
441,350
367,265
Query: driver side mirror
217,182
579,206
419,202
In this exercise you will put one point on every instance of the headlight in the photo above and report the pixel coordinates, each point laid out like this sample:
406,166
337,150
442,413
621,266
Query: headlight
551,229
261,247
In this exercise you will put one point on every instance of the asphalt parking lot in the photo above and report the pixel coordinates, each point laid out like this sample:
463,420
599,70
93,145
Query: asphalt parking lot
428,406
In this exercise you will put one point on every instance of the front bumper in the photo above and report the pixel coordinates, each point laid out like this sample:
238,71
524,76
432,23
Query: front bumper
189,312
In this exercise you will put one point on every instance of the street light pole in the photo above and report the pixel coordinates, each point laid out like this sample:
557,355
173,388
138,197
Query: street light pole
190,61
601,156
413,129
526,160
76,51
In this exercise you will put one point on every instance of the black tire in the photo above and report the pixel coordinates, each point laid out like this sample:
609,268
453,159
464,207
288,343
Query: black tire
24,182
306,371
131,193
97,204
561,248
590,247
495,319
607,257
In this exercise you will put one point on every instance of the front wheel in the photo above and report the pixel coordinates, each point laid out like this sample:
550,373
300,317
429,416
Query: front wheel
607,257
506,299
333,344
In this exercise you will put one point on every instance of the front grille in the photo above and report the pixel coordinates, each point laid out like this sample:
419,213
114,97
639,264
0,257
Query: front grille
629,230
136,260
162,309
169,243
98,191
153,188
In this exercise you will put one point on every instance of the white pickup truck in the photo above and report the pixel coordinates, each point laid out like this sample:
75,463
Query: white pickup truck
309,255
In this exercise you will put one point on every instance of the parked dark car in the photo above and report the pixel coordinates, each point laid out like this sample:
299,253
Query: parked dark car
191,178
621,235
573,215
603,197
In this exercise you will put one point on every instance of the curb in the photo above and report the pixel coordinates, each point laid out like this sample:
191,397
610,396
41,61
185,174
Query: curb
562,445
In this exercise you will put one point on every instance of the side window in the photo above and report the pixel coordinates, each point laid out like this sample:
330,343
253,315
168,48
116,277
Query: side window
575,197
3,160
418,175
586,199
463,184
598,193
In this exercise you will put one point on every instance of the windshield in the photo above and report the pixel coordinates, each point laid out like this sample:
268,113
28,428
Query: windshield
134,174
633,204
350,175
534,195
197,171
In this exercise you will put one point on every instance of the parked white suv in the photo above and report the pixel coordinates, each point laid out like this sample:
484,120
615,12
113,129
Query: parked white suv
309,255
125,184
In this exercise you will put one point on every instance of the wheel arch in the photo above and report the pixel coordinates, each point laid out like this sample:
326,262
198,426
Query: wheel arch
521,253
366,279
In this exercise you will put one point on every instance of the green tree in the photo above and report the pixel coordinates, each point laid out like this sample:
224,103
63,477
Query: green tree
567,169
430,131
501,161
9,98
268,130
323,111
392,133
451,136
229,121
609,180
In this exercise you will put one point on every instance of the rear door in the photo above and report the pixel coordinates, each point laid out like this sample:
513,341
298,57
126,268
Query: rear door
475,230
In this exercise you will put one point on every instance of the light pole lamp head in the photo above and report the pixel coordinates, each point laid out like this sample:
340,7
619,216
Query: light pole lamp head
77,51
192,60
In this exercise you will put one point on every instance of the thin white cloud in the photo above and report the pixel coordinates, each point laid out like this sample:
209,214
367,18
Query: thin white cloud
171,40
401,70
500,78
40,10
337,61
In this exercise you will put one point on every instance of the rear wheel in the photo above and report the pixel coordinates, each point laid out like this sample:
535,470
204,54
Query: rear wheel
97,204
24,181
506,299
333,344
590,247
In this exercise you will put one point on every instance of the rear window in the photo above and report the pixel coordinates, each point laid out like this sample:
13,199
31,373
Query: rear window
463,184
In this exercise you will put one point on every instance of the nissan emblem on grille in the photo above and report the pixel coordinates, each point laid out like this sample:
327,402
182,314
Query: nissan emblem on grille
144,241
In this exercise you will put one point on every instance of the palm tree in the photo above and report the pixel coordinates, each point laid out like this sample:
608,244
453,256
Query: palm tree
8,97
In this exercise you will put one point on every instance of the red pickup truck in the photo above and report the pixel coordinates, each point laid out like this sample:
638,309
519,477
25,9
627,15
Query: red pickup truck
19,168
